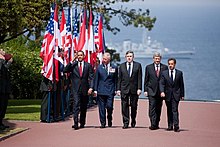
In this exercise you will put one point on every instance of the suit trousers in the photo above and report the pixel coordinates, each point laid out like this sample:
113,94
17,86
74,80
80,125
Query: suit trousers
126,101
3,104
155,105
80,102
44,106
172,113
105,102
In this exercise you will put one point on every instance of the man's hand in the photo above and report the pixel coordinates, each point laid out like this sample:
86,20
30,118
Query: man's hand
162,94
90,91
118,93
2,57
145,94
138,92
182,98
75,57
95,94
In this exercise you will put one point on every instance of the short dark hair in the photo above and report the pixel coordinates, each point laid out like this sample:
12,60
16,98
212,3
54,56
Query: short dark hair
172,59
81,52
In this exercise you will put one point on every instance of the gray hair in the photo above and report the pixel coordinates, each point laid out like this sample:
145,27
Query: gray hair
157,54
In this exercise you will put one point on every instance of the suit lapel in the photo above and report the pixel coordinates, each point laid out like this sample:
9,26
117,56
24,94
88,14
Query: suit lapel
153,69
176,74
104,71
124,68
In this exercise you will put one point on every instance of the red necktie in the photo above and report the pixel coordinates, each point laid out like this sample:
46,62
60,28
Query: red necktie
80,69
157,71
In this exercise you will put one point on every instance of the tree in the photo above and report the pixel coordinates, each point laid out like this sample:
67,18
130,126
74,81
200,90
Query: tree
22,16
31,16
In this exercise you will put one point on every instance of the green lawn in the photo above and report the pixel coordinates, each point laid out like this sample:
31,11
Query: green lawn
23,110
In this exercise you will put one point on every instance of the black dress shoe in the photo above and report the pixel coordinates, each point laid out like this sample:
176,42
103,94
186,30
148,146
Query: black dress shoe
176,129
133,125
75,127
169,129
2,127
109,124
5,126
153,128
102,126
82,126
125,127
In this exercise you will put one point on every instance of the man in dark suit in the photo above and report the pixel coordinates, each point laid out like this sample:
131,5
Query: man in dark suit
5,86
105,89
82,83
129,87
172,88
151,89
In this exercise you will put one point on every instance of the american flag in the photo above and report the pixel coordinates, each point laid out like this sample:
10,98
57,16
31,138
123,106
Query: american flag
75,34
96,35
48,48
43,47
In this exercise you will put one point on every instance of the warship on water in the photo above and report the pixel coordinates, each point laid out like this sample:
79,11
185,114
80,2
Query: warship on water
147,48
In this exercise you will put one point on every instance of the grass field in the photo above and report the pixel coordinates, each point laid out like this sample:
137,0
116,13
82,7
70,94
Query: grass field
23,110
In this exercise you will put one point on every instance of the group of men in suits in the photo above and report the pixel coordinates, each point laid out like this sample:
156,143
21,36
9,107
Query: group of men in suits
161,82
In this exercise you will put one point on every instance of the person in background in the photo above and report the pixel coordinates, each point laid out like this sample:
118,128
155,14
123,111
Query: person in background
129,88
105,89
172,89
151,89
81,75
45,87
92,98
5,86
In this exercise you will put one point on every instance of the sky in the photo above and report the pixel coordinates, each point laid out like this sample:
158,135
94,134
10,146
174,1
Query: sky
177,2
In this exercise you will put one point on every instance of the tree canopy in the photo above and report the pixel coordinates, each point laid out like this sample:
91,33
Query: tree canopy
20,16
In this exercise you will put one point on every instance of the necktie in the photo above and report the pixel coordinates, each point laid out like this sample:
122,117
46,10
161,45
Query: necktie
106,68
171,76
157,70
80,69
129,69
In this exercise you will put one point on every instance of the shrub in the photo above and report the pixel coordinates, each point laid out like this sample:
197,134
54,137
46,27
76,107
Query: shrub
26,67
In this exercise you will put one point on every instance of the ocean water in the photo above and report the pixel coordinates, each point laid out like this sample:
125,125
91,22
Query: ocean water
185,28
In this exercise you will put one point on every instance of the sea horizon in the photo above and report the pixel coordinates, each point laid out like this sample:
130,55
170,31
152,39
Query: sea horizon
185,28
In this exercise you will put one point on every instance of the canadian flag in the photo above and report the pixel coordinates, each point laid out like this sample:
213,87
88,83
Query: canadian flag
91,43
83,35
57,57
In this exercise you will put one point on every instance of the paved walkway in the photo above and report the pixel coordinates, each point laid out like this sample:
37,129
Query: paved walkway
199,126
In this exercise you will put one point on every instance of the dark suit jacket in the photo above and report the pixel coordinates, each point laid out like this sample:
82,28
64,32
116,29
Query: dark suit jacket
151,81
131,84
175,88
105,84
86,81
5,86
